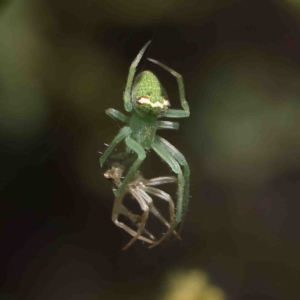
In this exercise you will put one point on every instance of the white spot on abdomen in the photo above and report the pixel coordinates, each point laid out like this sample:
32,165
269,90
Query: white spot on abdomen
144,100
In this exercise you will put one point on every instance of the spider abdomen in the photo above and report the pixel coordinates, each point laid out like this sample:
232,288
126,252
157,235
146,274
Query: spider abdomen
148,95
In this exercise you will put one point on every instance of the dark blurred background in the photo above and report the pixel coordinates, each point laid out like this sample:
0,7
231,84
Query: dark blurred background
62,63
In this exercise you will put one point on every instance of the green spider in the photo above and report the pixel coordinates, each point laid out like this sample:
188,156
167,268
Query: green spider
147,101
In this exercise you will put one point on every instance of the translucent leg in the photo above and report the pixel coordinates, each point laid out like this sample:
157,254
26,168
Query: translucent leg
162,195
158,215
115,214
136,220
115,173
141,189
161,180
142,193
144,218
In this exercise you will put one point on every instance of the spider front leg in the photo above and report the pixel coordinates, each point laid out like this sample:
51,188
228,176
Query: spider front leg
173,158
132,70
139,150
176,113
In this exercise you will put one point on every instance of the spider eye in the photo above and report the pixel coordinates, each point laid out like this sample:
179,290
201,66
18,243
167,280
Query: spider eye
166,102
143,100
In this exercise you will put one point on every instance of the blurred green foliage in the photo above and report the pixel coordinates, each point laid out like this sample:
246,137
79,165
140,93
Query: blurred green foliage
62,63
193,285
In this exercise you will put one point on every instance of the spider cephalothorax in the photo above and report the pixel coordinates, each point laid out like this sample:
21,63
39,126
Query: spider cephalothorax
148,95
147,101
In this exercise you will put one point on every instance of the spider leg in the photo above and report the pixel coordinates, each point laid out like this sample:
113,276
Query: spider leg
127,157
186,173
123,133
132,70
161,180
139,197
136,220
117,209
167,125
121,155
153,209
115,173
164,196
136,147
117,115
168,157
175,113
